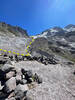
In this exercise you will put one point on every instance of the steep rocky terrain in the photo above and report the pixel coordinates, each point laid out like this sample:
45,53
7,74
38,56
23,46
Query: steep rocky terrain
45,75
60,41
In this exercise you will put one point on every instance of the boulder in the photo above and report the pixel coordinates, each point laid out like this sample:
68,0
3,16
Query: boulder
10,85
23,71
29,80
18,71
24,81
28,74
20,91
9,75
2,60
9,62
1,86
11,95
37,78
12,98
6,68
18,79
11,57
28,98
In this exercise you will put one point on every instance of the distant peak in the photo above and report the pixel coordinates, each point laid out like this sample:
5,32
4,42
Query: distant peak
70,26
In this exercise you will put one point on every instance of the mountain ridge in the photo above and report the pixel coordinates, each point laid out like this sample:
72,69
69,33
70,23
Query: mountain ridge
10,30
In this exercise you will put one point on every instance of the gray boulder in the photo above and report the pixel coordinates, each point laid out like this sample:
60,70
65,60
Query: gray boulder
10,85
24,81
12,98
28,74
20,91
9,75
18,79
1,86
37,78
7,68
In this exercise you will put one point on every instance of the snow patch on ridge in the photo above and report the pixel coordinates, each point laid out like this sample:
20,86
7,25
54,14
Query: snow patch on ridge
53,30
70,29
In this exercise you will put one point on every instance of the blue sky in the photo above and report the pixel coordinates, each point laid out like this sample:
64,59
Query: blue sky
37,15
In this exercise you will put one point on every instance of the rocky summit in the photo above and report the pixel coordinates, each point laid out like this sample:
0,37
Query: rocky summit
47,73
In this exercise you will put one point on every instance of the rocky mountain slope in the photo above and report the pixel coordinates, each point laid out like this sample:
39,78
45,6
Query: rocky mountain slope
13,38
48,74
9,30
60,41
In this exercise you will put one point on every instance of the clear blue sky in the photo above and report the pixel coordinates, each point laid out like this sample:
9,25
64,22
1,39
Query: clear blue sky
37,15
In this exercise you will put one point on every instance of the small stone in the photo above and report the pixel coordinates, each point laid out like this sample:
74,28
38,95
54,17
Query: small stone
35,77
39,80
11,57
23,76
24,81
32,85
29,80
74,72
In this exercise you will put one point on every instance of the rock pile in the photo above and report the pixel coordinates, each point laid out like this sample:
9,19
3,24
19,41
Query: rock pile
43,59
15,82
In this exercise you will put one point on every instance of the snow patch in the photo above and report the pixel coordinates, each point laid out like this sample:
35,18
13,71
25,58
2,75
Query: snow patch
70,29
53,30
41,35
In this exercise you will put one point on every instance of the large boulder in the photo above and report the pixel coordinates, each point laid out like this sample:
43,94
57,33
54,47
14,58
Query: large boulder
10,85
9,75
12,98
6,68
2,60
20,91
